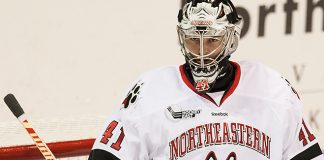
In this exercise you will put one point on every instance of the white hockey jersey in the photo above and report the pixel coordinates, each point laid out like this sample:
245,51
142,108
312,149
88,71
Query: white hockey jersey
163,117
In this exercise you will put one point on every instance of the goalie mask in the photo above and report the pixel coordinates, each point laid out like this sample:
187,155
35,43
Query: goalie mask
208,32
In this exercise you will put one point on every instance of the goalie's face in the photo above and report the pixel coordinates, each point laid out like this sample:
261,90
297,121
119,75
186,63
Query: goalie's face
204,49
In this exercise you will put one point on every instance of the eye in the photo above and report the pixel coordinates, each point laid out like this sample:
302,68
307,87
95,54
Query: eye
194,39
213,40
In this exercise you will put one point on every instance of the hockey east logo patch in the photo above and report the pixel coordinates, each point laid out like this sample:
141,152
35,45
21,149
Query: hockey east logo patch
176,113
133,95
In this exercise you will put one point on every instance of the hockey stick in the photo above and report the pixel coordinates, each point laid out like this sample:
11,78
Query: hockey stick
16,109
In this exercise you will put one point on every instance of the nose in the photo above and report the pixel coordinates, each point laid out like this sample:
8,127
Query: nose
207,49
209,45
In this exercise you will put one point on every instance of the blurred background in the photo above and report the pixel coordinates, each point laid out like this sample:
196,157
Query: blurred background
70,62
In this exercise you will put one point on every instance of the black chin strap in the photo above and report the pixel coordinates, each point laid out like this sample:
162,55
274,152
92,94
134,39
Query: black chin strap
222,83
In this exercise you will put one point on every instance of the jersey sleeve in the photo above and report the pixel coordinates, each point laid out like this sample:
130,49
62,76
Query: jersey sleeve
303,145
121,134
299,139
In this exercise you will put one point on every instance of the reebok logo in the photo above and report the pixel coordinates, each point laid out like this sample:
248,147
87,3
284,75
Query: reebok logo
221,114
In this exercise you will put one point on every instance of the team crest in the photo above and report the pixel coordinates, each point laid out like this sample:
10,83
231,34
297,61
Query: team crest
202,85
132,95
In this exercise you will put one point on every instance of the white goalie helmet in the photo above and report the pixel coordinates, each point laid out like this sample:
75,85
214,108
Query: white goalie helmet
209,31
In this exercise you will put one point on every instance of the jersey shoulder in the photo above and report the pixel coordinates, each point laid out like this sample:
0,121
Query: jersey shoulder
154,89
259,80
